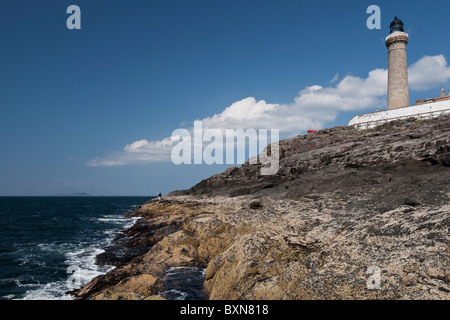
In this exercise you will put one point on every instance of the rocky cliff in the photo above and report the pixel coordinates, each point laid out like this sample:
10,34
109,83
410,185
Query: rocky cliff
349,215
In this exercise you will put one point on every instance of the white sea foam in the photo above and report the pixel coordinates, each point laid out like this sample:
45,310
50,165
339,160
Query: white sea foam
84,262
80,260
173,270
115,220
174,294
25,285
49,291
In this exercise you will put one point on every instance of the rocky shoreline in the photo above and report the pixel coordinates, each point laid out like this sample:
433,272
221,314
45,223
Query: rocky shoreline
343,204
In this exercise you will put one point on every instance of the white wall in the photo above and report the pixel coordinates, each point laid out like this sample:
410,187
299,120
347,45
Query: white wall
423,111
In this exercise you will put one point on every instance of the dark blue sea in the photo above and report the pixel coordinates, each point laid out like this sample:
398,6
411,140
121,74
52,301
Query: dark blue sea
48,245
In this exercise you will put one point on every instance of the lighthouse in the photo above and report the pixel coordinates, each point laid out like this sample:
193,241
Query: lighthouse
398,93
396,41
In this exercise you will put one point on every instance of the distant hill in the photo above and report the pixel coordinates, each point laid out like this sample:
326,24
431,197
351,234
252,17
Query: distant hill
77,194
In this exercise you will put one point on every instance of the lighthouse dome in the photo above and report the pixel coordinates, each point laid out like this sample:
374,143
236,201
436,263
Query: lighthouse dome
396,25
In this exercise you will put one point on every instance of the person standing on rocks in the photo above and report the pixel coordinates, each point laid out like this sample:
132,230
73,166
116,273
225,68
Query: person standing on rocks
159,196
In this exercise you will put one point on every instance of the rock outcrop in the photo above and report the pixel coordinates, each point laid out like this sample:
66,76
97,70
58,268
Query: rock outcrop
349,215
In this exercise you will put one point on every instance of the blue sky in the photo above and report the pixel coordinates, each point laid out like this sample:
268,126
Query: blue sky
71,100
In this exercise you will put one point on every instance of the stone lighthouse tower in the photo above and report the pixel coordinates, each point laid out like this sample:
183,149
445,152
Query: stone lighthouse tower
396,41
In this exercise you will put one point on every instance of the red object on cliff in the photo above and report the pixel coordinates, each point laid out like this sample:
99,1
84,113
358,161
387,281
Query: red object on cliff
309,130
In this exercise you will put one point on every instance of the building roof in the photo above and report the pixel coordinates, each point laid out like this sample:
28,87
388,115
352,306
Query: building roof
396,25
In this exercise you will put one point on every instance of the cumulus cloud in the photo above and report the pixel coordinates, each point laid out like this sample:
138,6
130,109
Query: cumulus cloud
428,73
141,151
313,107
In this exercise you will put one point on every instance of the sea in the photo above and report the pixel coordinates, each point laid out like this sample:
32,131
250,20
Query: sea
48,245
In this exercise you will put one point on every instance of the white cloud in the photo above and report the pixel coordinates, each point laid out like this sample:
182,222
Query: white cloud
313,108
141,151
428,73
335,78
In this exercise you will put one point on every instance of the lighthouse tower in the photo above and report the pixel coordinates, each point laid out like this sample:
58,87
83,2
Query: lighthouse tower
396,41
398,94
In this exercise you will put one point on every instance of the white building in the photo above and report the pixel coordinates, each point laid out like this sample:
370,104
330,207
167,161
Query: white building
425,110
